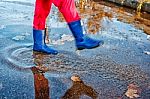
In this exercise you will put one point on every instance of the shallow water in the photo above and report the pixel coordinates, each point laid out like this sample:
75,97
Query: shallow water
108,69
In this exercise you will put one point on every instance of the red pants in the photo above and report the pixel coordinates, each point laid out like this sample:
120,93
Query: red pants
42,9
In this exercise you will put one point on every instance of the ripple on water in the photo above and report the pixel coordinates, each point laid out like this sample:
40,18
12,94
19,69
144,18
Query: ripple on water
22,57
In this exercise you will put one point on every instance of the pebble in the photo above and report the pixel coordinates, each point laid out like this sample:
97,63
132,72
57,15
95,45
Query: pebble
147,52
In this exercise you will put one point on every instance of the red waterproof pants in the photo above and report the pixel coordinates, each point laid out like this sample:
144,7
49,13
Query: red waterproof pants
42,9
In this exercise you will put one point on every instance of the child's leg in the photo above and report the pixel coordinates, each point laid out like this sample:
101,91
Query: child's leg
42,9
68,9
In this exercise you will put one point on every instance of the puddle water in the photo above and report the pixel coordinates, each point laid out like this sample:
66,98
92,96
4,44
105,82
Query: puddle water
106,71
67,62
19,55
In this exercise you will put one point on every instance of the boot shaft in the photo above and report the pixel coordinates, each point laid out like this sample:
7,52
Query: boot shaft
39,36
76,30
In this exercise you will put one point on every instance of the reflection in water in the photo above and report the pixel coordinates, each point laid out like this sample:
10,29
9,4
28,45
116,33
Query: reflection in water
39,61
141,2
41,83
79,88
94,13
91,13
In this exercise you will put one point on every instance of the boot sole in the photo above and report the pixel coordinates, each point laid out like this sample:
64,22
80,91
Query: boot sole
81,48
37,51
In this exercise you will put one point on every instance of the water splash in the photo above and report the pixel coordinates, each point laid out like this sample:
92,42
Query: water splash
63,39
2,27
21,37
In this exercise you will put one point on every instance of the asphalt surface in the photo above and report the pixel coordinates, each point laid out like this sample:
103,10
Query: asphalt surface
105,72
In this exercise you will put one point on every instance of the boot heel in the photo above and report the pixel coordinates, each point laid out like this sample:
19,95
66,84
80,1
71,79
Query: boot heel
80,48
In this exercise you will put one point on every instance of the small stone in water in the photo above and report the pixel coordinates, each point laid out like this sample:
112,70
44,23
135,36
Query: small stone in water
146,52
148,37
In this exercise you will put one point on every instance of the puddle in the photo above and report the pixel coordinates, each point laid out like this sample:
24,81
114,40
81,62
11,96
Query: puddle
22,57
123,59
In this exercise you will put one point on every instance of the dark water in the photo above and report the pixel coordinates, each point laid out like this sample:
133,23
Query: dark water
107,70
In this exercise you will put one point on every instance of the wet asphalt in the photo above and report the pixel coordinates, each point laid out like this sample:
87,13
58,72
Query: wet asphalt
105,72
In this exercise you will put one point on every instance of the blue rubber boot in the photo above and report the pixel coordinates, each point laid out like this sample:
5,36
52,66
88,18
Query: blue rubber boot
39,43
82,41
